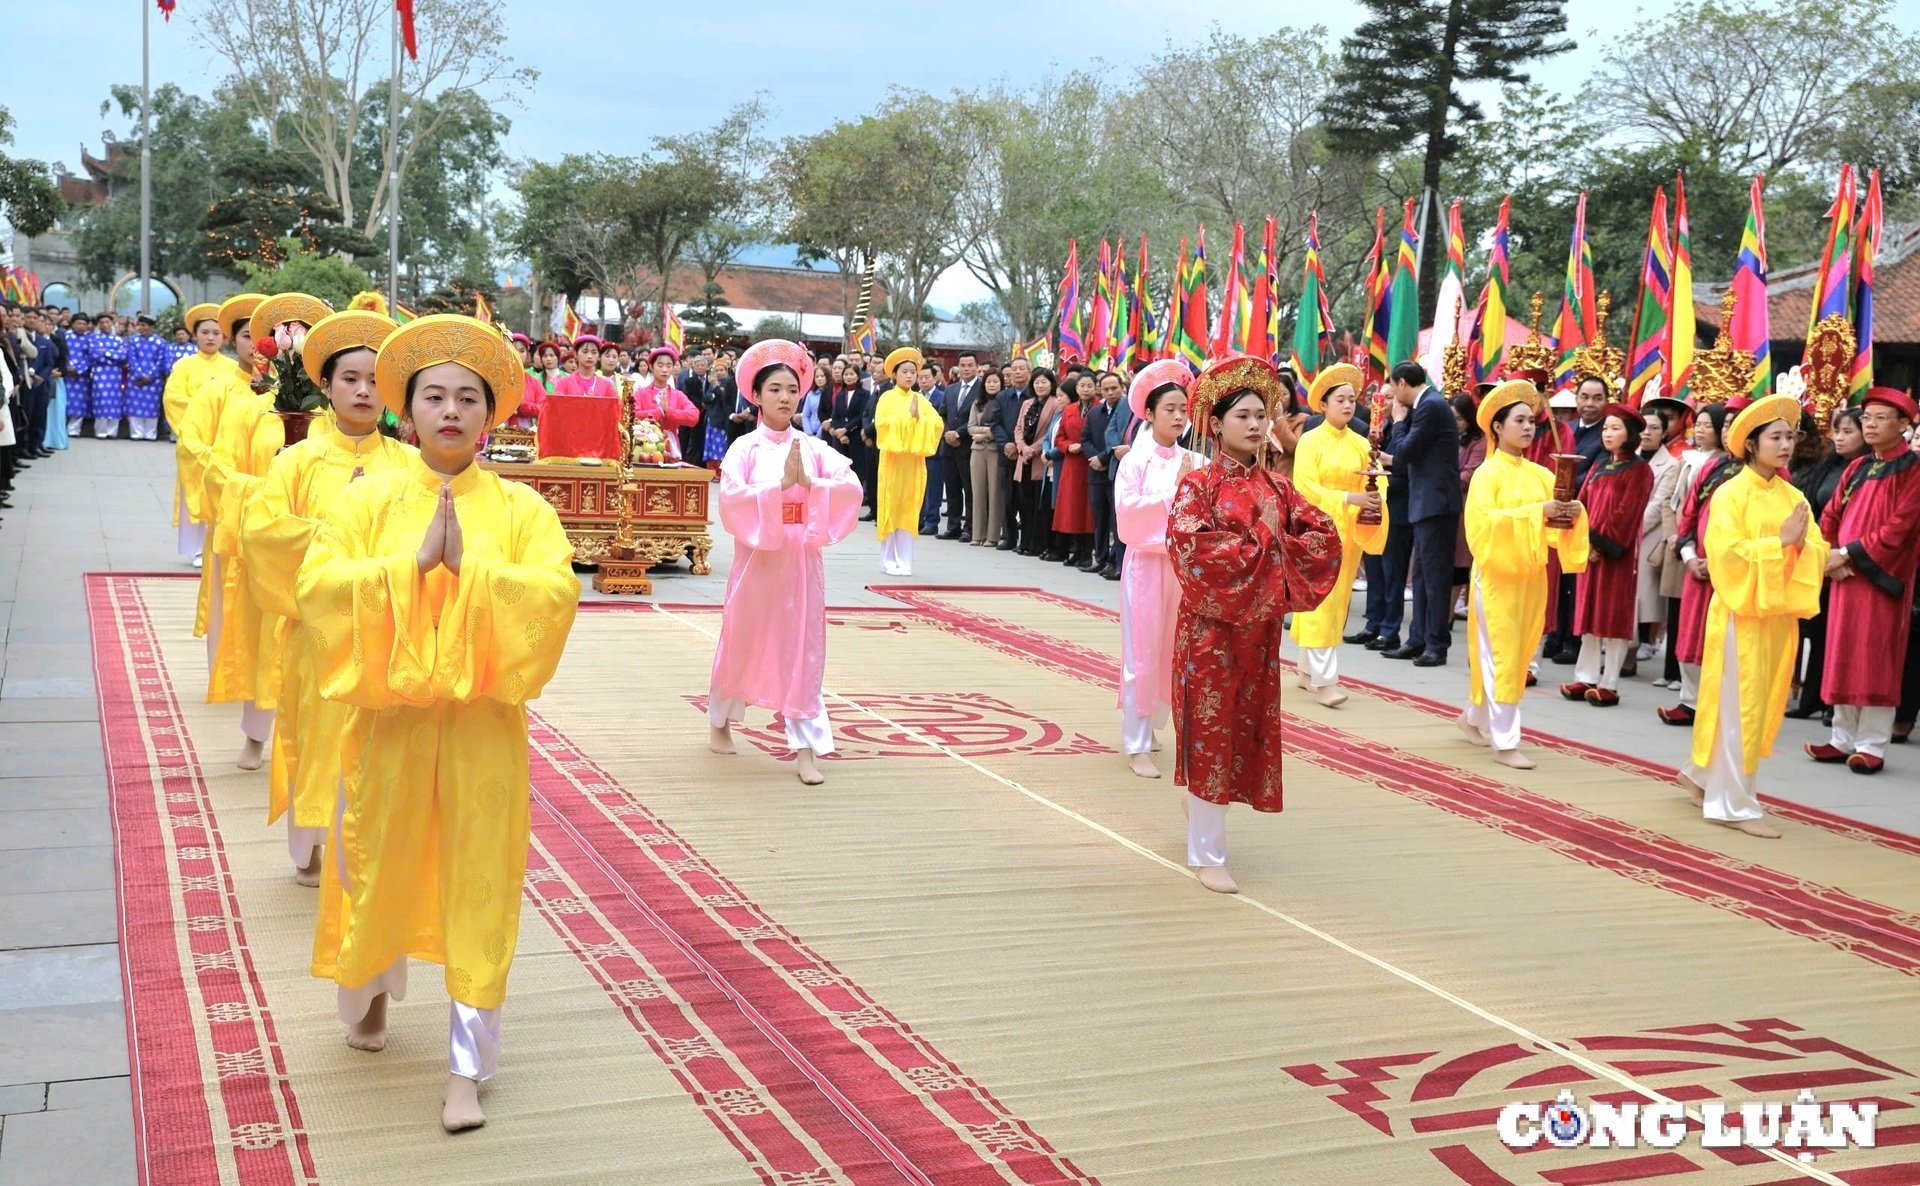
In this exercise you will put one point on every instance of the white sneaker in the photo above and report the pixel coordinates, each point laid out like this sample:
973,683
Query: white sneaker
1646,651
196,560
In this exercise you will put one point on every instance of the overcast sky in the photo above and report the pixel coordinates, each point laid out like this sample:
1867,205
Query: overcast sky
613,83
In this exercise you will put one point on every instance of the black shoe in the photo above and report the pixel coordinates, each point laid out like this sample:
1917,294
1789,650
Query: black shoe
1006,547
1071,561
1406,652
1112,574
949,535
1384,642
1565,656
1805,712
1363,637
927,530
1089,566
1050,556
1431,659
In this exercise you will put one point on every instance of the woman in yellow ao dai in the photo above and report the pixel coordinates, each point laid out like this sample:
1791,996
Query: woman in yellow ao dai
301,484
1329,467
438,599
906,428
1767,559
1509,505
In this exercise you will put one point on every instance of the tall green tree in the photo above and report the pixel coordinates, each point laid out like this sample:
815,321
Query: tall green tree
1400,78
27,193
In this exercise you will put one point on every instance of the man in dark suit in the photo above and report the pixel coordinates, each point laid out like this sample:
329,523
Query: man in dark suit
1386,574
693,438
1426,461
954,473
1002,420
929,383
1093,445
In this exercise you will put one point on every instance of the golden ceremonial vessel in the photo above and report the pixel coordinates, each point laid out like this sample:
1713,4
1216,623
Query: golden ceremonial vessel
1376,418
1597,359
1828,369
1566,468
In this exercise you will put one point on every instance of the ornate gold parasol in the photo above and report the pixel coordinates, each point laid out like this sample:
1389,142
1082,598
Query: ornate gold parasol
1533,354
1596,359
1453,360
1723,373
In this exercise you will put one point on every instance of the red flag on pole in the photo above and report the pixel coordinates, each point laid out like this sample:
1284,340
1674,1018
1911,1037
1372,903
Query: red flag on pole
406,28
166,9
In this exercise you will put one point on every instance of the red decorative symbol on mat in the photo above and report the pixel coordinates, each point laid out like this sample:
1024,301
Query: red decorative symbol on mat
971,725
1451,1101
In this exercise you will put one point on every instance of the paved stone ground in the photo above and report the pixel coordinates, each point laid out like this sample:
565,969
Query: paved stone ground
65,1114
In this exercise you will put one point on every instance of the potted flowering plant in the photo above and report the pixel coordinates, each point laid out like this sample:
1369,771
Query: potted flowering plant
295,398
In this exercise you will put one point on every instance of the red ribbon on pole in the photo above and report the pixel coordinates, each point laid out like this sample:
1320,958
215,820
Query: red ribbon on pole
406,28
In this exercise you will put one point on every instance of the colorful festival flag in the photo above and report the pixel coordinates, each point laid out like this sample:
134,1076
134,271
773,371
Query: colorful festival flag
1146,329
1833,283
1868,238
1190,334
1647,348
1176,305
1578,304
1379,300
1099,346
166,9
1261,340
405,8
1680,323
1490,322
870,337
673,333
1749,328
1313,326
1449,306
1226,326
1403,326
1072,347
1120,335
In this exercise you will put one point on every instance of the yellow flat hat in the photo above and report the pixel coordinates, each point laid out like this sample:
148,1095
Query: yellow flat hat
904,354
1334,376
1513,391
204,311
1756,416
349,329
284,307
449,337
236,309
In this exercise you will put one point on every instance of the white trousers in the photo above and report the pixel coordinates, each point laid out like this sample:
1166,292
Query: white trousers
145,428
896,554
1732,793
1322,665
814,733
1690,684
1858,729
103,429
302,843
1136,731
1500,722
193,536
1206,832
74,425
1601,661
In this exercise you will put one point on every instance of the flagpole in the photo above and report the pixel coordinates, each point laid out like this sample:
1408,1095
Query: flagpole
146,154
393,171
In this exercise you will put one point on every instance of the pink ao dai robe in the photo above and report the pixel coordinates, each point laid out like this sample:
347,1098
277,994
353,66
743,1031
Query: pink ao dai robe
773,632
1143,489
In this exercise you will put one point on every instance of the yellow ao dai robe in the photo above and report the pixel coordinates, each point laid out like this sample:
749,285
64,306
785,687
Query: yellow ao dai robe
194,387
438,668
1327,466
246,664
1760,592
905,444
1511,542
276,528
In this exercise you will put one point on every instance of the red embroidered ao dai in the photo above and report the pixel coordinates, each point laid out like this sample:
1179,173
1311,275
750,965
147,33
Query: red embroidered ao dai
1247,549
1615,495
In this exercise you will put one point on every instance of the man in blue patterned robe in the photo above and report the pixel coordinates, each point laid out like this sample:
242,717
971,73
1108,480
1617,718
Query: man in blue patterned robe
147,365
79,372
109,377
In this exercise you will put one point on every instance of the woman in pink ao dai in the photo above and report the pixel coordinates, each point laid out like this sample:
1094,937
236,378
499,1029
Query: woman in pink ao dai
1143,489
784,496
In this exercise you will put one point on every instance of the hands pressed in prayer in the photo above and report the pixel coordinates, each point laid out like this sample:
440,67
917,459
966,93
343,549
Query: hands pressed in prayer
456,542
1186,465
443,543
1793,532
796,472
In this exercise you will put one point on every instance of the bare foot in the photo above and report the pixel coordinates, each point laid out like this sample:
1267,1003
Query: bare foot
1142,765
1330,696
252,755
309,874
1304,684
1156,745
461,1111
1216,878
370,1032
720,739
809,773
1513,759
1474,735
1752,827
1695,791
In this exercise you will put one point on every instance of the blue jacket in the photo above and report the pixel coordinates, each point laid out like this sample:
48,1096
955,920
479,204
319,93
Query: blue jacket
1426,458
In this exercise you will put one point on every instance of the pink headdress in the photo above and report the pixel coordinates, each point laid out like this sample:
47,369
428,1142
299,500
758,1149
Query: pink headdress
595,340
665,349
773,352
1152,378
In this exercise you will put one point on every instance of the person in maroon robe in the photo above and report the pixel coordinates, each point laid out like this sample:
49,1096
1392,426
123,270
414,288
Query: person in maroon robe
1605,601
1689,643
1247,549
1873,523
